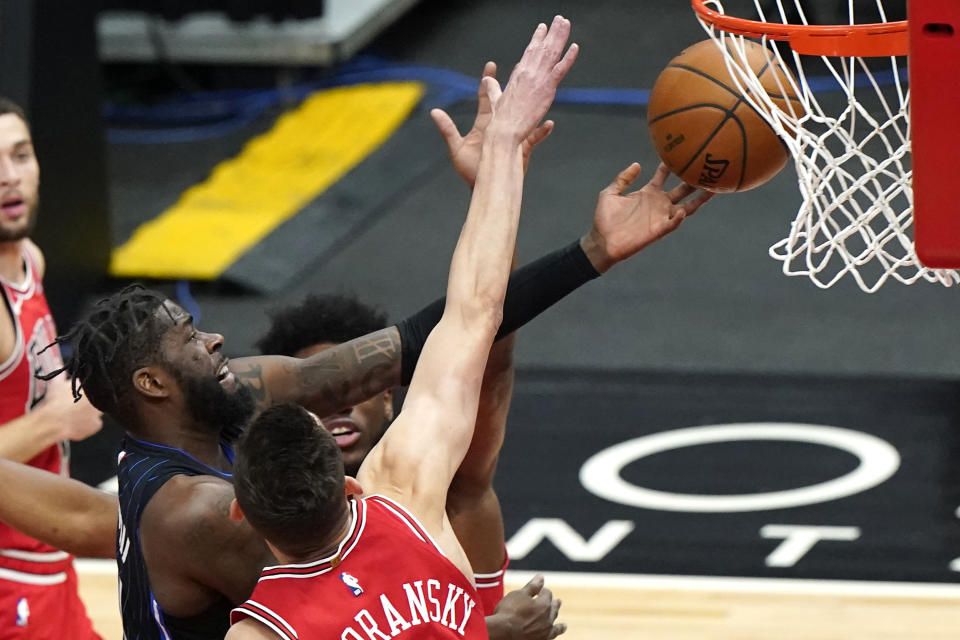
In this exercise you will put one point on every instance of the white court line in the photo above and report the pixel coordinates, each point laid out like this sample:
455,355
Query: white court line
690,583
741,585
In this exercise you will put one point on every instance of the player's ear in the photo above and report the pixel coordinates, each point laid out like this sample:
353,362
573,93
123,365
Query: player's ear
236,513
151,381
351,487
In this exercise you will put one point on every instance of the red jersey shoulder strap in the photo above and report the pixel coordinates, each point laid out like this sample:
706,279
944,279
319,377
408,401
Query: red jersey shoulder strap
401,513
265,615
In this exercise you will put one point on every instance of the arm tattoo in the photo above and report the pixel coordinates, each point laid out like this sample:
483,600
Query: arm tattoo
252,377
340,377
384,346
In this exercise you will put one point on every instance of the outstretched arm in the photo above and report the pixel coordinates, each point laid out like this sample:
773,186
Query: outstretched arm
472,504
418,456
61,512
623,224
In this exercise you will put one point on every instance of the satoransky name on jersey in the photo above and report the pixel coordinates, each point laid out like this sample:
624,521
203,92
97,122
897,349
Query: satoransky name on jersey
422,606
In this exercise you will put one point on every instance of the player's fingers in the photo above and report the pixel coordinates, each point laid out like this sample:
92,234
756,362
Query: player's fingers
445,126
533,587
489,69
554,44
623,179
690,206
558,629
538,35
545,595
554,609
680,192
492,88
660,176
560,69
540,134
557,36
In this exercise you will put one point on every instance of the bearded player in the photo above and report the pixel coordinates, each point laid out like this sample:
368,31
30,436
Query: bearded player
377,556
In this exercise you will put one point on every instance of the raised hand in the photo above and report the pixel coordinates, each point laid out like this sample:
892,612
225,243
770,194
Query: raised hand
529,613
624,223
465,150
518,109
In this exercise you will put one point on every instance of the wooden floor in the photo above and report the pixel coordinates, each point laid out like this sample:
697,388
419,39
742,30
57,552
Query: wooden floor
717,611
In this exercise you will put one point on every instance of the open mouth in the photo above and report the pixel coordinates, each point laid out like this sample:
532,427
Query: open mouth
14,207
344,431
224,375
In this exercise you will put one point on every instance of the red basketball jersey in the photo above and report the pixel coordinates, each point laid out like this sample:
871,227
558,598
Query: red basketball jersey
20,390
388,579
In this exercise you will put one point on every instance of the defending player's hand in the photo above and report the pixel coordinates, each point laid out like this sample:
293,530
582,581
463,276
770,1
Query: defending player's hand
465,150
530,613
624,223
520,107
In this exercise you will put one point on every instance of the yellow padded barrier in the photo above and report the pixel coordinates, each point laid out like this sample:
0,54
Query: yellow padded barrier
274,177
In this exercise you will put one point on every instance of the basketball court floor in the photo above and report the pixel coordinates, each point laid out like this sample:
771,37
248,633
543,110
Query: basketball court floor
699,446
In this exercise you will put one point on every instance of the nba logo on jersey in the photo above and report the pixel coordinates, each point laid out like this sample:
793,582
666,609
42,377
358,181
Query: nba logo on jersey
23,612
352,583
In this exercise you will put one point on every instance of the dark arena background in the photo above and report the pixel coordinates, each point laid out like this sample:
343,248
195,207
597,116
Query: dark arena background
693,415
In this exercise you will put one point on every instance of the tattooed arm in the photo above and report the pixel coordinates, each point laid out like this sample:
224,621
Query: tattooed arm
327,381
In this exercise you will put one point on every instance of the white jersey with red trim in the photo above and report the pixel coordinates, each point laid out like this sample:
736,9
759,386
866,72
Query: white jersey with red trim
20,391
388,579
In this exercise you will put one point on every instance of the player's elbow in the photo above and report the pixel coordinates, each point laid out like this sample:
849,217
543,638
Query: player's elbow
96,530
482,313
96,546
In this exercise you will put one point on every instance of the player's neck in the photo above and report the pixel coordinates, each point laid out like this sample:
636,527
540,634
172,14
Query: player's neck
204,445
326,548
11,261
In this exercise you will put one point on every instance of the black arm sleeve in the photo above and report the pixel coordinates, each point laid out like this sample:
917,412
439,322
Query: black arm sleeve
532,289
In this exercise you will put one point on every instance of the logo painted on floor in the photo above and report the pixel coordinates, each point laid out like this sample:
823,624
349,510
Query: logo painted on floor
856,480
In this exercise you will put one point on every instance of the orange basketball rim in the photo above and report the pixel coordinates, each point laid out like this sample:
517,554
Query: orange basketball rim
867,162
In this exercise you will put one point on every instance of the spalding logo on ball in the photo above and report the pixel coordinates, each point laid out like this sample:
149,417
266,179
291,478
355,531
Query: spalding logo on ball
706,132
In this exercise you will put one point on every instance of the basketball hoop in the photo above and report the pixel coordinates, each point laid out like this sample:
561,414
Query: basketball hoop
849,136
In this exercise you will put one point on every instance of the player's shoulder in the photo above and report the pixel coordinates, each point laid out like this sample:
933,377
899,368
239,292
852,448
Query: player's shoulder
188,504
250,629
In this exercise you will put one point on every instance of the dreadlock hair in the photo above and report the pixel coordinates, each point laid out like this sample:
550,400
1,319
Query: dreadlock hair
319,318
9,106
116,336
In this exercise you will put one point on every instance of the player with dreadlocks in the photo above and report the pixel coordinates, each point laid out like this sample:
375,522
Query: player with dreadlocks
140,358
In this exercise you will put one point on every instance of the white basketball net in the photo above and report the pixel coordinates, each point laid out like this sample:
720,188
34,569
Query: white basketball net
852,155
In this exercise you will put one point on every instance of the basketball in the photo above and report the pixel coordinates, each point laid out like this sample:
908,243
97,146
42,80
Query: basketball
705,131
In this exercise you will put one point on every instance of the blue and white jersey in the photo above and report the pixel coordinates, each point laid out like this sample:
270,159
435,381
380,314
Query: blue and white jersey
143,469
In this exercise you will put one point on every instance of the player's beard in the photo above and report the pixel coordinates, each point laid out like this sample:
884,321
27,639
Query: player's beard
13,235
225,412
